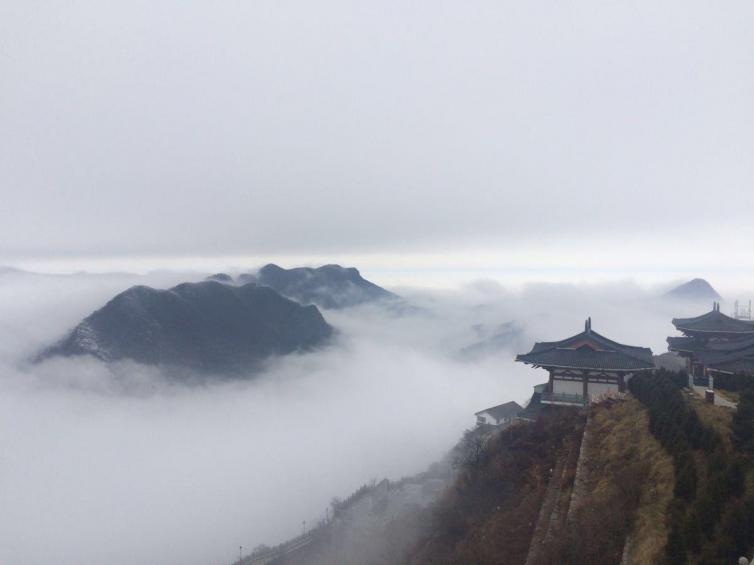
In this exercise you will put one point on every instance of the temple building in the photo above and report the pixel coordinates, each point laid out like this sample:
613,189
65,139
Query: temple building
714,343
586,367
498,415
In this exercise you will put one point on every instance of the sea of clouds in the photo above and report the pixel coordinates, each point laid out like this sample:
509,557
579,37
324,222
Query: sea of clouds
113,464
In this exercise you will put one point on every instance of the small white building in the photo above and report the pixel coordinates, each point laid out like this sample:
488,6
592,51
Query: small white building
498,415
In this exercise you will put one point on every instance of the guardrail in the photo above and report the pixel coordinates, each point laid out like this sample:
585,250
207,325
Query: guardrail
274,553
561,398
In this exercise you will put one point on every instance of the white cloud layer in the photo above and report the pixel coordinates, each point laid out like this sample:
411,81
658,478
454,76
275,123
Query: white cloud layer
114,465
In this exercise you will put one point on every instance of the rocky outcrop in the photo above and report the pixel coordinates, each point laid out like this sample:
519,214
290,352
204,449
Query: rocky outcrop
330,286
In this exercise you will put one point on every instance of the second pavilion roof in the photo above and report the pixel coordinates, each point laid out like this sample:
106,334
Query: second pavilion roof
714,322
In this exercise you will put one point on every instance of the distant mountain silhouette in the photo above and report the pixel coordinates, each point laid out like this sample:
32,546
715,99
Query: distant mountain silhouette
493,340
220,277
5,270
331,286
202,327
696,289
246,278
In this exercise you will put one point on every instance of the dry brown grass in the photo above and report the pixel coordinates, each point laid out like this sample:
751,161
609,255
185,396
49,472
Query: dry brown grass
620,438
491,512
623,491
731,395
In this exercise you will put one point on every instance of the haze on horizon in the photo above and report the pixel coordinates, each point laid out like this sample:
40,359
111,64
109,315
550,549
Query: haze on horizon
545,135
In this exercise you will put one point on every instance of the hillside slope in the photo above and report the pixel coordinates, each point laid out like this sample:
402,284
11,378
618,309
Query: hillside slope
330,286
657,477
538,487
202,327
695,289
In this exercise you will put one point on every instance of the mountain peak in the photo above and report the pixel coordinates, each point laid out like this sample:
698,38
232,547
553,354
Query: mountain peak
329,286
220,277
695,289
204,327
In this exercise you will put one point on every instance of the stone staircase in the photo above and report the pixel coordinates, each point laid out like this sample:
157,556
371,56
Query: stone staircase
557,502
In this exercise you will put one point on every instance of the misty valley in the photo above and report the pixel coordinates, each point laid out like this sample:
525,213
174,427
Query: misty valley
303,415
338,282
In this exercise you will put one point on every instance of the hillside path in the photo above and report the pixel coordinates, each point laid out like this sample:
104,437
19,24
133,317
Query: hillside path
719,400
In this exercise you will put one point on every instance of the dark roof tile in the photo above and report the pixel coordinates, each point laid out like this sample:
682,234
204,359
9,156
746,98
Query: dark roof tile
589,350
714,322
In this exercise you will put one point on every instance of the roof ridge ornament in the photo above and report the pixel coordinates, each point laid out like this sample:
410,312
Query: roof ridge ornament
588,325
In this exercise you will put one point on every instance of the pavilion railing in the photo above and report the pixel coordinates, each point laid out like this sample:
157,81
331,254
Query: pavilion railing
561,398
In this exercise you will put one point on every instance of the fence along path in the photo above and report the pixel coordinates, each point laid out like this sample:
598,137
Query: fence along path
282,550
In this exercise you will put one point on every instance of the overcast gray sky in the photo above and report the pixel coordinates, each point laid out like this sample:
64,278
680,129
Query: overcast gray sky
136,129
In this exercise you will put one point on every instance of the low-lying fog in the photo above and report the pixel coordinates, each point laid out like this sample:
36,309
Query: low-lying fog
114,466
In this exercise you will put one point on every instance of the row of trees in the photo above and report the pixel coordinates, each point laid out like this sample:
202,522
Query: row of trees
736,533
742,426
712,518
675,425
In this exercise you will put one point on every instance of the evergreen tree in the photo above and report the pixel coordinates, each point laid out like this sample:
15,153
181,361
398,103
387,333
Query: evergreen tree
693,532
675,550
742,425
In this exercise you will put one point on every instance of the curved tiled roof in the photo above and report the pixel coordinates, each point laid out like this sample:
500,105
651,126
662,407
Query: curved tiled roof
717,341
589,350
694,345
714,322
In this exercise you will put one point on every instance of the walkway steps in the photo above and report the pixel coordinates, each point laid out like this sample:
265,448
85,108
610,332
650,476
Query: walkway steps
552,515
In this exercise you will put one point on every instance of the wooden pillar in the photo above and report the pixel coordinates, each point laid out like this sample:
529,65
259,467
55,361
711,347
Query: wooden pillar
586,385
550,384
621,382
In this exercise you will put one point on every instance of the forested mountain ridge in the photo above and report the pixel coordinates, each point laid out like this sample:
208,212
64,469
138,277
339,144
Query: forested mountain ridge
329,286
201,327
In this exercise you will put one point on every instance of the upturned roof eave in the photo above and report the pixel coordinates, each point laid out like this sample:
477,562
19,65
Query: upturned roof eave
583,368
734,325
742,332
629,351
522,358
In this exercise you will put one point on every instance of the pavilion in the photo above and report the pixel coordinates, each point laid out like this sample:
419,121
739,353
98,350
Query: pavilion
586,366
714,343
